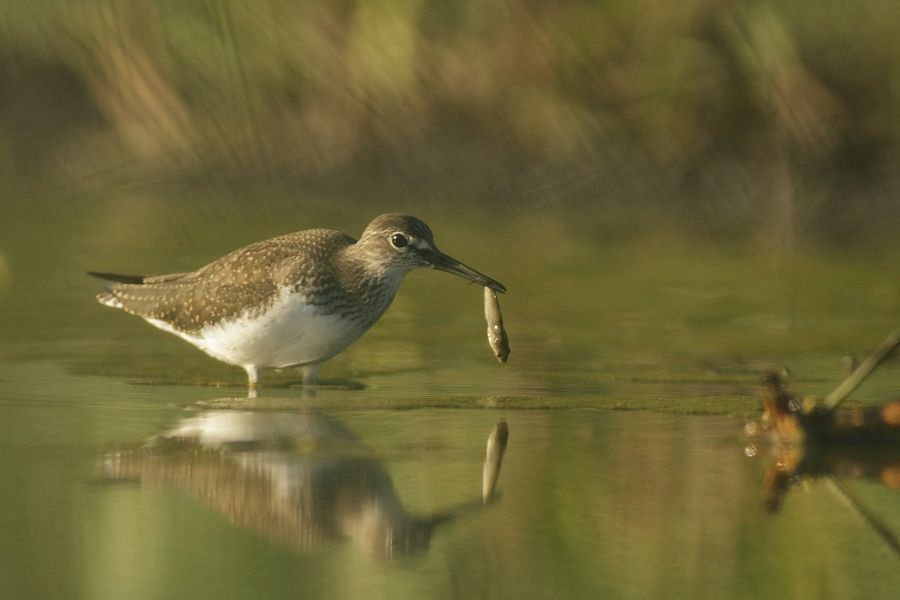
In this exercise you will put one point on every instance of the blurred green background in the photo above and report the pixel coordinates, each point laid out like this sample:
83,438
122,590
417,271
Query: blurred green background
774,120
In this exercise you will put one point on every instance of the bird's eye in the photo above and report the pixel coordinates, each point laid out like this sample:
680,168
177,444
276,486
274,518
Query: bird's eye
398,240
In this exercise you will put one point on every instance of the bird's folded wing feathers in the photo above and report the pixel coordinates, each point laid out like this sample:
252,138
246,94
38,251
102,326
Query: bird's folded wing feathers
248,279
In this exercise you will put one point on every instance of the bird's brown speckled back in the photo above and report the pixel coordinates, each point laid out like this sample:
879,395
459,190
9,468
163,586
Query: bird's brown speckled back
249,277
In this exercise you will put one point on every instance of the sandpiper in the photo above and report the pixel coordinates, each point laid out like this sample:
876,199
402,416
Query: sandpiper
294,300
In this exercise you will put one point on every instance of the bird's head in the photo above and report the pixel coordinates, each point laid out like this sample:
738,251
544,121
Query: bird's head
400,243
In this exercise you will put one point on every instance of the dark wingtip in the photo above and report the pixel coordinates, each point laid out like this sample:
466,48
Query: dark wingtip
117,277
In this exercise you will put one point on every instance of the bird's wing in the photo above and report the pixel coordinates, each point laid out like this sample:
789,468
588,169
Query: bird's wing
246,281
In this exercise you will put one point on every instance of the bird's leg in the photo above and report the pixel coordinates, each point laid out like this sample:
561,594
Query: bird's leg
310,378
252,381
310,375
252,376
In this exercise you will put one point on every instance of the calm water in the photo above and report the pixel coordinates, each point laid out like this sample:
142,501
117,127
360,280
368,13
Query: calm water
300,500
131,466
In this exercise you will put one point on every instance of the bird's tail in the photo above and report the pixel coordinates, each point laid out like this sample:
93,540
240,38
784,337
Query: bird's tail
117,277
138,299
136,279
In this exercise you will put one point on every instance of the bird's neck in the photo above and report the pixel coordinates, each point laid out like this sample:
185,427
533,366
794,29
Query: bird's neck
372,283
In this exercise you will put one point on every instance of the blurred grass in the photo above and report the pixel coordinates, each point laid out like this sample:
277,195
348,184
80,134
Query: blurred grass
742,117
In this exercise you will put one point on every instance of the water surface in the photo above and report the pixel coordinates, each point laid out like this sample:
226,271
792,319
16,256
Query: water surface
633,368
301,498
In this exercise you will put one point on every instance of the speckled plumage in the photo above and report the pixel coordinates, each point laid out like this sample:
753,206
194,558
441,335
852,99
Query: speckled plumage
297,299
242,283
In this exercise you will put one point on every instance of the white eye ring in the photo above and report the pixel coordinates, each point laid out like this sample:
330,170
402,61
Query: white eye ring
399,240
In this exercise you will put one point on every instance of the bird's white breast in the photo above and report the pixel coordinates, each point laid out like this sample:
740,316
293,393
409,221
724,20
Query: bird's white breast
291,332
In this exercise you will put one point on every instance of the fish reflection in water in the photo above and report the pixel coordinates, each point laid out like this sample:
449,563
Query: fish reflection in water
298,477
493,459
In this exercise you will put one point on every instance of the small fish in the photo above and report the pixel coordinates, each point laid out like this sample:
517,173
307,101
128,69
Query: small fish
493,459
496,334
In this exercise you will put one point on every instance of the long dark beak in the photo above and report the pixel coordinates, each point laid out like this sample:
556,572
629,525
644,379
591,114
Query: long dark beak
440,261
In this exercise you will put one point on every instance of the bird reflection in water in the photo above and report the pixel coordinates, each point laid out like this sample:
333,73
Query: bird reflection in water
297,477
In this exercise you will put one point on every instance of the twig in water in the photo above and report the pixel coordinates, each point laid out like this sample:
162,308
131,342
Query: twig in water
862,371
